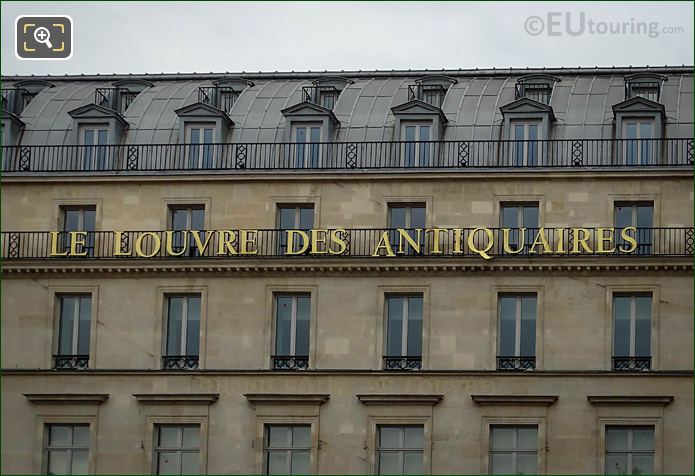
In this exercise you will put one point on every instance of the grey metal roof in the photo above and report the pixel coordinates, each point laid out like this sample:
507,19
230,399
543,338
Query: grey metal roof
582,102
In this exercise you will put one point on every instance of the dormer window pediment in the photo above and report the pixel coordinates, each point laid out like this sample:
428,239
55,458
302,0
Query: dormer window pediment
639,104
92,116
421,114
203,116
96,112
307,110
527,106
315,117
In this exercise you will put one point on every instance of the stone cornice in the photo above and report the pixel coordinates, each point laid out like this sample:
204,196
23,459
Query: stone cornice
515,400
66,398
399,399
177,398
622,400
286,398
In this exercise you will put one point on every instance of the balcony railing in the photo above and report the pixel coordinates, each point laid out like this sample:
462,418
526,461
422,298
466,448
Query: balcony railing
355,243
358,156
516,363
180,362
402,362
116,99
221,97
325,96
632,364
290,362
70,362
430,93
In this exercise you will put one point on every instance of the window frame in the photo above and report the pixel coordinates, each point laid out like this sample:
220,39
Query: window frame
307,159
290,450
187,415
523,416
90,153
200,147
525,142
82,415
632,323
406,415
47,449
518,296
416,152
401,450
179,450
293,325
514,451
54,293
405,318
630,452
161,324
634,416
184,323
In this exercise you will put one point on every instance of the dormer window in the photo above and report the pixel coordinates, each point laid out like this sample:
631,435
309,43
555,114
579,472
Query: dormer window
221,97
430,89
14,100
537,87
647,86
121,95
325,96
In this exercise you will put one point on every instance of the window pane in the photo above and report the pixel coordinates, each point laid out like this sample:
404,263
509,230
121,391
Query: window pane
300,462
501,463
84,325
388,463
394,331
643,325
306,218
278,462
79,462
415,326
519,132
397,217
279,436
283,326
631,130
621,326
300,134
623,216
207,138
646,130
58,462
414,437
169,436
645,216
80,435
530,217
191,436
642,464
103,137
59,435
287,218
417,217
301,436
507,329
67,321
179,219
193,326
174,325
168,463
189,463
527,439
412,463
526,464
390,437
616,439
89,137
315,134
198,219
502,438
303,325
71,220
194,135
510,217
528,326
616,464
410,133
89,220
643,438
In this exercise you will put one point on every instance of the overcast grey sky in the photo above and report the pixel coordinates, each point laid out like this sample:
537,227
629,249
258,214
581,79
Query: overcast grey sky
125,37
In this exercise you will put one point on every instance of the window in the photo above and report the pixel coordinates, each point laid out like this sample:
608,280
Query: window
307,147
287,449
292,329
74,327
80,218
200,138
95,153
524,135
639,143
430,93
66,449
629,450
641,216
177,449
293,217
520,215
408,216
632,325
182,332
400,449
404,318
517,332
513,449
416,149
328,95
539,92
186,218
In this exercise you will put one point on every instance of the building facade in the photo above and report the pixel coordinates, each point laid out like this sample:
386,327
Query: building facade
461,272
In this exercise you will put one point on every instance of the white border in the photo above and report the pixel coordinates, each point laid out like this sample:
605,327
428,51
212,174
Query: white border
72,41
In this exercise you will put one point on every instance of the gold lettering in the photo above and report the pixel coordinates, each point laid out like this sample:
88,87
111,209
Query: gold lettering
247,237
290,242
581,236
169,240
55,235
316,240
405,234
505,241
74,241
342,244
436,239
118,243
138,245
629,239
457,241
474,248
225,246
541,239
386,245
602,239
202,246
560,234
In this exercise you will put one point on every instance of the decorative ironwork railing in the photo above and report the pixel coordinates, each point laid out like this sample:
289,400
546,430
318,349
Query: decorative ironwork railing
402,362
430,93
358,156
290,362
354,242
325,96
70,362
516,363
221,97
116,99
632,364
180,362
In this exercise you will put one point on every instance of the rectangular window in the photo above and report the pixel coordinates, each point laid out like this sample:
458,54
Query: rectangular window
400,449
200,139
632,331
404,319
639,143
516,329
95,150
513,449
525,137
292,329
66,449
520,215
307,148
287,449
409,216
177,449
74,327
186,218
293,217
182,347
641,216
416,149
79,218
629,450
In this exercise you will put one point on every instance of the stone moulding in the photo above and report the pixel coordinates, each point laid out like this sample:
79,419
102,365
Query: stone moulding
286,398
176,398
66,398
403,399
622,400
526,400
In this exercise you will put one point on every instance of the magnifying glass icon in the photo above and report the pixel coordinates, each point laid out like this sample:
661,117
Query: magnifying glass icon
42,35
